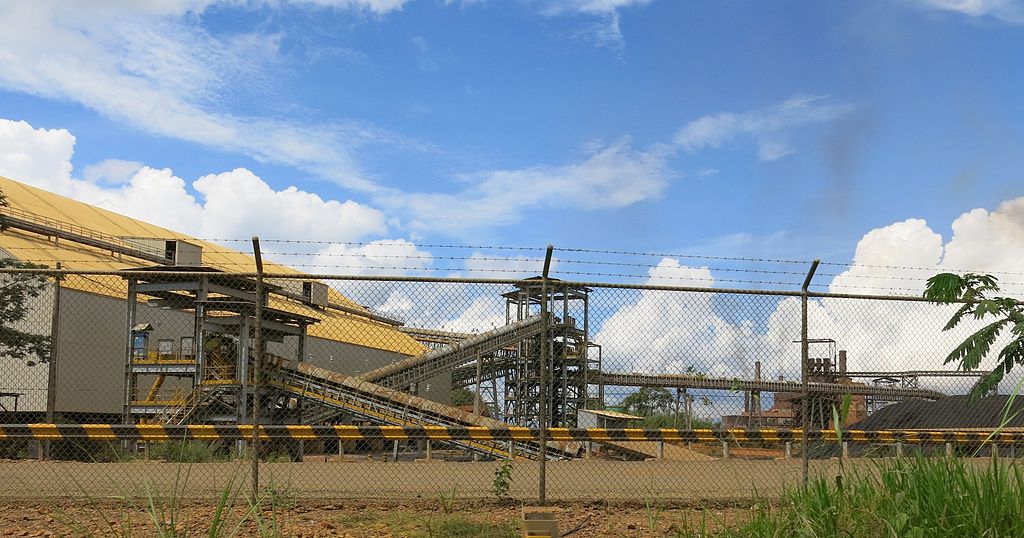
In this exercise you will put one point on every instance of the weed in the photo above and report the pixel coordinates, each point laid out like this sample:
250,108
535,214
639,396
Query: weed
502,484
653,513
457,526
448,500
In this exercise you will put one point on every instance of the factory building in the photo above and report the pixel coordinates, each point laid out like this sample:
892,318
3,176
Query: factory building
96,330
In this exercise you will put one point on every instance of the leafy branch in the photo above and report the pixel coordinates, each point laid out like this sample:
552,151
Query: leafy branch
978,293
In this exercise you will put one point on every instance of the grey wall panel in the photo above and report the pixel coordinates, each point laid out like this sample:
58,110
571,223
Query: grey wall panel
93,337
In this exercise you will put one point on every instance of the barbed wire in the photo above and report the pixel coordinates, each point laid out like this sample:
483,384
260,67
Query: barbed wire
596,263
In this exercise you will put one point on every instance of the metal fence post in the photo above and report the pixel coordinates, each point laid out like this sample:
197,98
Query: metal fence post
257,370
51,366
542,408
805,417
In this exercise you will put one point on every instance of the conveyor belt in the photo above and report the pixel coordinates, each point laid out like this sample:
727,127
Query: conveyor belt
439,361
386,406
721,383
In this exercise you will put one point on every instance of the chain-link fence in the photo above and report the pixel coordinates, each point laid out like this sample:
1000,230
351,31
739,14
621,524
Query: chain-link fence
415,387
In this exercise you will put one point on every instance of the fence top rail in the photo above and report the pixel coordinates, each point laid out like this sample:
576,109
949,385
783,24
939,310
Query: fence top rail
158,432
132,273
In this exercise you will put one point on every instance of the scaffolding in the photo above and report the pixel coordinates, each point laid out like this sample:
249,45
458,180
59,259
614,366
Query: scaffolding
213,375
569,368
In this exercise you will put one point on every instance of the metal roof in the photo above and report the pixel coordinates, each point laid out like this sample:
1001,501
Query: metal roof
335,325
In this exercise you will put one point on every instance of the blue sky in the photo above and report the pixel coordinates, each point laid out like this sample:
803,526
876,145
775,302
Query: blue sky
762,129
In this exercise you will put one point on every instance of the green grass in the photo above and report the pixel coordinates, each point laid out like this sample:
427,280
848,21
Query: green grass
456,526
918,498
409,525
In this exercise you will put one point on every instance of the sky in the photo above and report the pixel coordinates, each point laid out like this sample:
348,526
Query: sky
884,137
722,127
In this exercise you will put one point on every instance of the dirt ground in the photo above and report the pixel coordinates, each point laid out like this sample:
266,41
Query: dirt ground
360,498
357,519
567,480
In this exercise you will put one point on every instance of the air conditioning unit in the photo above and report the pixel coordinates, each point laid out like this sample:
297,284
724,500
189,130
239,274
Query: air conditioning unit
312,292
175,251
315,293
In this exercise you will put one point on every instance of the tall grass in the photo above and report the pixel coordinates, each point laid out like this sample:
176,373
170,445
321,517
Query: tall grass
918,498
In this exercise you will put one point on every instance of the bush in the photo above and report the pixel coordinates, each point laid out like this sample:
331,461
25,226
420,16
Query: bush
917,497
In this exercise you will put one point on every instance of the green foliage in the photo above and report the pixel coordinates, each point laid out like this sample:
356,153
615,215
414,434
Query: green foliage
652,510
448,499
462,396
648,401
917,497
662,420
185,452
15,292
976,293
462,527
502,484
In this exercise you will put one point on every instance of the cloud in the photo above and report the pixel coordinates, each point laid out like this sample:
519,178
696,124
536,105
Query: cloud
238,203
607,177
1006,10
763,125
154,67
381,257
663,331
723,334
379,7
489,266
115,171
592,7
230,205
604,31
39,156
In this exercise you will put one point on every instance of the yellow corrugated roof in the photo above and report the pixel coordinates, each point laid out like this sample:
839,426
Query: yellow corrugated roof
334,325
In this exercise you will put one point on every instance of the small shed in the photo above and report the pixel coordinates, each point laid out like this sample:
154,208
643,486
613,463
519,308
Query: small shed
595,418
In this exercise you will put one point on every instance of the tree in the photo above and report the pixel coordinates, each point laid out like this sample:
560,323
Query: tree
648,401
979,295
15,291
462,396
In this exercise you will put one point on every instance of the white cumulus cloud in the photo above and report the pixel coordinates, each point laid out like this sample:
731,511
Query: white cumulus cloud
230,205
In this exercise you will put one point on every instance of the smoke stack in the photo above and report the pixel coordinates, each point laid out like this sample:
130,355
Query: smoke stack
757,370
842,363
